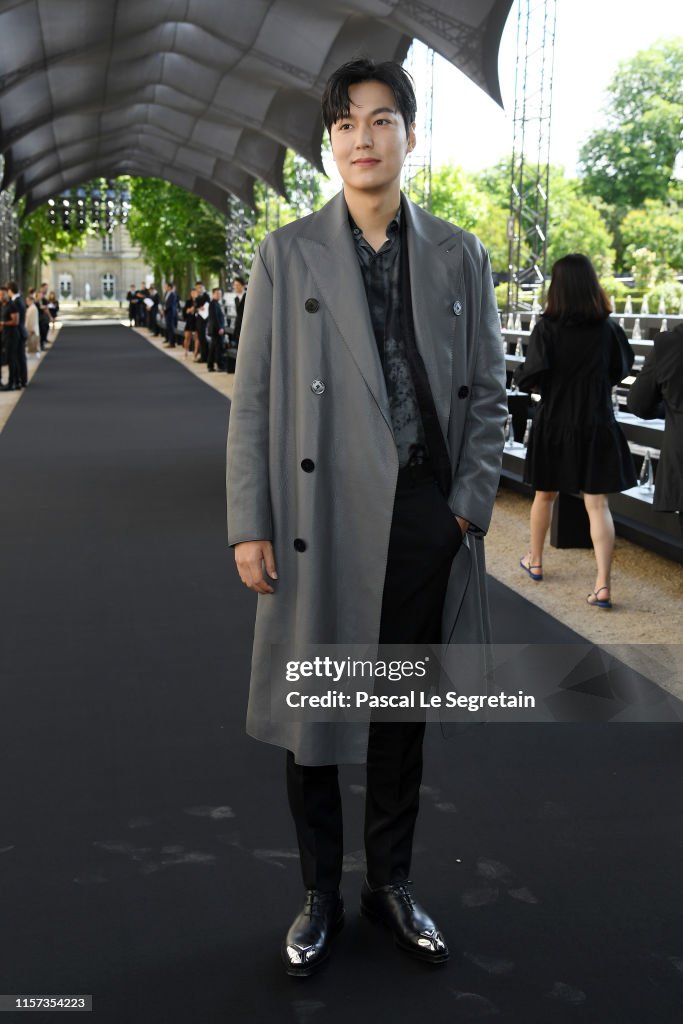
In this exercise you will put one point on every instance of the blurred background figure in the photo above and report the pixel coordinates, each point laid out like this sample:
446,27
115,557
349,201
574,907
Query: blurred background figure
575,355
240,288
190,337
658,392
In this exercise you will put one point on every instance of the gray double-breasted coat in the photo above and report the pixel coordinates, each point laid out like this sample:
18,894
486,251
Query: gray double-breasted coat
309,389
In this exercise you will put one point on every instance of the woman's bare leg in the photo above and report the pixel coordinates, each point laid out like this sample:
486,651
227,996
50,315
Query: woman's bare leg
602,536
541,511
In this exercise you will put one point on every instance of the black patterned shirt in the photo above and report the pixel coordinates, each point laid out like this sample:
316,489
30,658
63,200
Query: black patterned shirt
381,272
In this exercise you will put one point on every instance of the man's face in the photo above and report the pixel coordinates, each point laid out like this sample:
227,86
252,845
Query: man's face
370,145
216,293
237,287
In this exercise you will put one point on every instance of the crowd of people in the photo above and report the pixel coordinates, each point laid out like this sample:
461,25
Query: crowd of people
25,325
211,326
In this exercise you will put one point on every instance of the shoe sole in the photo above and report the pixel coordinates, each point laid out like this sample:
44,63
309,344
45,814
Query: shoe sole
308,969
436,959
535,576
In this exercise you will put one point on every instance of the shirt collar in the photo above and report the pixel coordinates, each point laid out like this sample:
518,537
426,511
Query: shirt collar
392,227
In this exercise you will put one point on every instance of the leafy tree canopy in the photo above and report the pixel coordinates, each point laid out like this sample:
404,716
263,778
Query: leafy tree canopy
631,158
657,226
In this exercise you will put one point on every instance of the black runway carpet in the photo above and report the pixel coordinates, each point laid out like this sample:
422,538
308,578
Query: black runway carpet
146,853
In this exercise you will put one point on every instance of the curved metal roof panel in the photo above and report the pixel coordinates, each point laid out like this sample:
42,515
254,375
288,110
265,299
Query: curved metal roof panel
209,97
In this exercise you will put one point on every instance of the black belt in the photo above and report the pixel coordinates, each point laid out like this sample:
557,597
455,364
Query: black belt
412,474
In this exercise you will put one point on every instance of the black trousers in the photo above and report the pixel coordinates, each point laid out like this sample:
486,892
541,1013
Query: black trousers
203,343
215,352
425,537
14,344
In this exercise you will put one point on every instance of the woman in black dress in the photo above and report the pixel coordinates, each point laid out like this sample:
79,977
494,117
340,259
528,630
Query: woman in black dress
576,354
190,318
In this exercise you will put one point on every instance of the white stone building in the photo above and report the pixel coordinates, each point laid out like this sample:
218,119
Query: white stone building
104,269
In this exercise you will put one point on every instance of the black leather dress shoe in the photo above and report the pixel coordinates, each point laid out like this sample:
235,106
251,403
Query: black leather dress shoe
414,931
308,941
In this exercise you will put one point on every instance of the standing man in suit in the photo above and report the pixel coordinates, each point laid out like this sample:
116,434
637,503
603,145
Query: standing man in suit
202,307
373,322
9,322
660,383
216,331
170,314
240,288
18,300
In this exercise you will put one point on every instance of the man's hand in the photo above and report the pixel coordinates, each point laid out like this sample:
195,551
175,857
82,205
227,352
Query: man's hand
251,557
463,524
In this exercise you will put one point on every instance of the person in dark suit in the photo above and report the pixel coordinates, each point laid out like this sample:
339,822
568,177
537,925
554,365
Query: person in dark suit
240,288
201,309
9,321
132,298
18,300
170,314
216,331
657,391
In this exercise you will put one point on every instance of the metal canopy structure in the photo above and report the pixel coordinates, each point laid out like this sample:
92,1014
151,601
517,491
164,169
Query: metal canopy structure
207,94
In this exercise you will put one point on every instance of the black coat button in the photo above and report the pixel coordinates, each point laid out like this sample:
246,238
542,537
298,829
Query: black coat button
308,465
463,392
311,305
299,544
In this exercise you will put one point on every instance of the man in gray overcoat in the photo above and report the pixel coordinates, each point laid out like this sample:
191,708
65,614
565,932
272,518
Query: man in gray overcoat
364,450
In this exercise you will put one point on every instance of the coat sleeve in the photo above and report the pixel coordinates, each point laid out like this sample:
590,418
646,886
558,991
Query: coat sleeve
248,486
478,471
645,395
533,373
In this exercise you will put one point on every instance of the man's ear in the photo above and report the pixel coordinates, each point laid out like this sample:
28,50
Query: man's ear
412,141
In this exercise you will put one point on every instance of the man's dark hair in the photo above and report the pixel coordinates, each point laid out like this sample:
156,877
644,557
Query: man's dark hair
336,103
241,280
12,286
575,294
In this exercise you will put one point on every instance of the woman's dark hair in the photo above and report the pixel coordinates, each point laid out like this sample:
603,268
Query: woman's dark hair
575,292
336,104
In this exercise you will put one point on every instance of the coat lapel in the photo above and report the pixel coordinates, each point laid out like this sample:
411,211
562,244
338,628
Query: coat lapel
328,249
436,285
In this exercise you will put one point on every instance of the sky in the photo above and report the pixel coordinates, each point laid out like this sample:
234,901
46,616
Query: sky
592,36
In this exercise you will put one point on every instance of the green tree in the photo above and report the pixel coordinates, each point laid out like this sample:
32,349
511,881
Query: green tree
181,236
657,226
575,223
41,240
631,158
456,197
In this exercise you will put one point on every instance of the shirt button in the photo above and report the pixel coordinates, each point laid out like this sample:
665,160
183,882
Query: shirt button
463,392
299,544
308,465
317,386
311,305
457,307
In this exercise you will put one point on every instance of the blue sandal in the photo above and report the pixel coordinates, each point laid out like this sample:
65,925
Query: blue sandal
536,576
599,603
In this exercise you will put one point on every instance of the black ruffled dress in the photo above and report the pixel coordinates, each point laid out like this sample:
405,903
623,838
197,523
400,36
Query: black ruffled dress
575,442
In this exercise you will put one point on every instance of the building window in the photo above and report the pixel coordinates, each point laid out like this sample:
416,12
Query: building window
107,243
65,286
107,286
